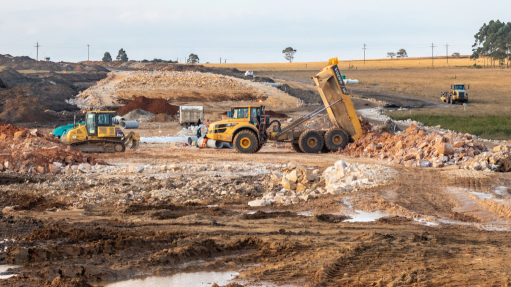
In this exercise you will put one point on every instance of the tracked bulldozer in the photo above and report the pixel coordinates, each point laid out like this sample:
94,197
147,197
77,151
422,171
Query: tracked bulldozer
249,128
101,132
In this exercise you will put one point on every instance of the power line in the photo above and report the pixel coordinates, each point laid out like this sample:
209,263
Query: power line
447,52
364,53
37,46
432,65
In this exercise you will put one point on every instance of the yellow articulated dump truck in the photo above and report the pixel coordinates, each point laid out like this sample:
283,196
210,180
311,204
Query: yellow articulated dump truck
458,93
249,128
102,132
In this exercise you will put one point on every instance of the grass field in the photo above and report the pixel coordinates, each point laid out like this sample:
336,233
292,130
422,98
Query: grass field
489,127
401,63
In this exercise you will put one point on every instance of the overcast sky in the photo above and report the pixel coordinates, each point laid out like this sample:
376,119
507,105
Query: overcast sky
242,31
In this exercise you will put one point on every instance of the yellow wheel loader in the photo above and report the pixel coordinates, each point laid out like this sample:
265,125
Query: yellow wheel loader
249,128
457,94
102,132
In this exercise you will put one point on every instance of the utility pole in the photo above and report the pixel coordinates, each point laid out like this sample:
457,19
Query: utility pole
220,60
88,54
364,53
37,46
432,65
225,61
447,52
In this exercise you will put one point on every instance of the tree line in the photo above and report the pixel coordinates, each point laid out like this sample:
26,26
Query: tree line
493,41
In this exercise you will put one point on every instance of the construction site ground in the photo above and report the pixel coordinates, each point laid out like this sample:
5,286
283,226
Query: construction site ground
122,221
458,242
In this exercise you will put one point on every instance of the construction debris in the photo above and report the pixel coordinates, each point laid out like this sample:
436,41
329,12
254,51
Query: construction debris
31,151
416,148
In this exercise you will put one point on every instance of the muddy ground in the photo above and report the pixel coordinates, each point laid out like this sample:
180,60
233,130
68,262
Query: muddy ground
310,244
433,227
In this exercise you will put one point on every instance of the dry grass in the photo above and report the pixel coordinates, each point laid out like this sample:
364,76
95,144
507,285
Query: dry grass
1,68
402,63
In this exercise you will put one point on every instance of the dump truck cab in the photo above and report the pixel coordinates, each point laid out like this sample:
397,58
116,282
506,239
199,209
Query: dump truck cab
239,119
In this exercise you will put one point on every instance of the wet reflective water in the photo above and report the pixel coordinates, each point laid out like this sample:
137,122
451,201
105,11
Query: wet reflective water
3,270
199,279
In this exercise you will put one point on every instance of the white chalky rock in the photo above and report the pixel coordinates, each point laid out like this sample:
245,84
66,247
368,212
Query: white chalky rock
259,202
136,169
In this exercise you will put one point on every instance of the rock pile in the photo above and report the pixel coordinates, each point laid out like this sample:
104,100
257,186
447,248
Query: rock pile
172,79
139,115
298,184
497,159
31,151
416,148
346,177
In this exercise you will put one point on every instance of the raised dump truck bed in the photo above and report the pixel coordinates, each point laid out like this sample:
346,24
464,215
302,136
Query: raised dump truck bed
331,87
249,128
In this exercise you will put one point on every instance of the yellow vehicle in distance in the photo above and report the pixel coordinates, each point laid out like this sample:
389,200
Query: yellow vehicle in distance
102,133
458,94
249,128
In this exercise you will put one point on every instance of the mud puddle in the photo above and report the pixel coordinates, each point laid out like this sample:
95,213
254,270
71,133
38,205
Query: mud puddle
180,279
7,271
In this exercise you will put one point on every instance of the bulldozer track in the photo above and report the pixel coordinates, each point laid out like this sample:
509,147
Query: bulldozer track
98,143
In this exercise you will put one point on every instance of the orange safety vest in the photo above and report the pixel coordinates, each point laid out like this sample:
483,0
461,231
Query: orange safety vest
203,145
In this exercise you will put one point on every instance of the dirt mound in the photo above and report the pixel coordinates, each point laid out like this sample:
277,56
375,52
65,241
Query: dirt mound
155,106
162,118
32,151
416,148
9,130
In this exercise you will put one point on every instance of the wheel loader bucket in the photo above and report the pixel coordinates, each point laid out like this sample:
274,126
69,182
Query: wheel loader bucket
134,138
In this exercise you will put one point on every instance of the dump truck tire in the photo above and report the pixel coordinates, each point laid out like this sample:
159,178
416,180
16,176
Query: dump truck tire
246,142
336,139
311,141
296,147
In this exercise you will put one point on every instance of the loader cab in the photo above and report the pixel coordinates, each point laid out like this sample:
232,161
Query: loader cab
251,114
94,120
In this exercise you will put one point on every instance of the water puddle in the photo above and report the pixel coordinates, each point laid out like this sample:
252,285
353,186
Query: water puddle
182,279
363,216
4,274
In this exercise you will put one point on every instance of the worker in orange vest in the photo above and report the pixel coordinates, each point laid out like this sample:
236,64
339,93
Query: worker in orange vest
207,124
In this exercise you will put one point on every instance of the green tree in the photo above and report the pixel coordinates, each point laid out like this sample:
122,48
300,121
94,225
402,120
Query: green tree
456,55
107,57
391,55
193,59
122,56
289,54
402,53
493,40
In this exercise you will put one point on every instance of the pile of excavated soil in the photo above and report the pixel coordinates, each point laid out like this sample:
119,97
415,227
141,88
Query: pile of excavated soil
33,152
155,106
25,99
416,148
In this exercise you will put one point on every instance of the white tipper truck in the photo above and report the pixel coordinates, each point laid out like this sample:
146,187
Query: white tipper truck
189,115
